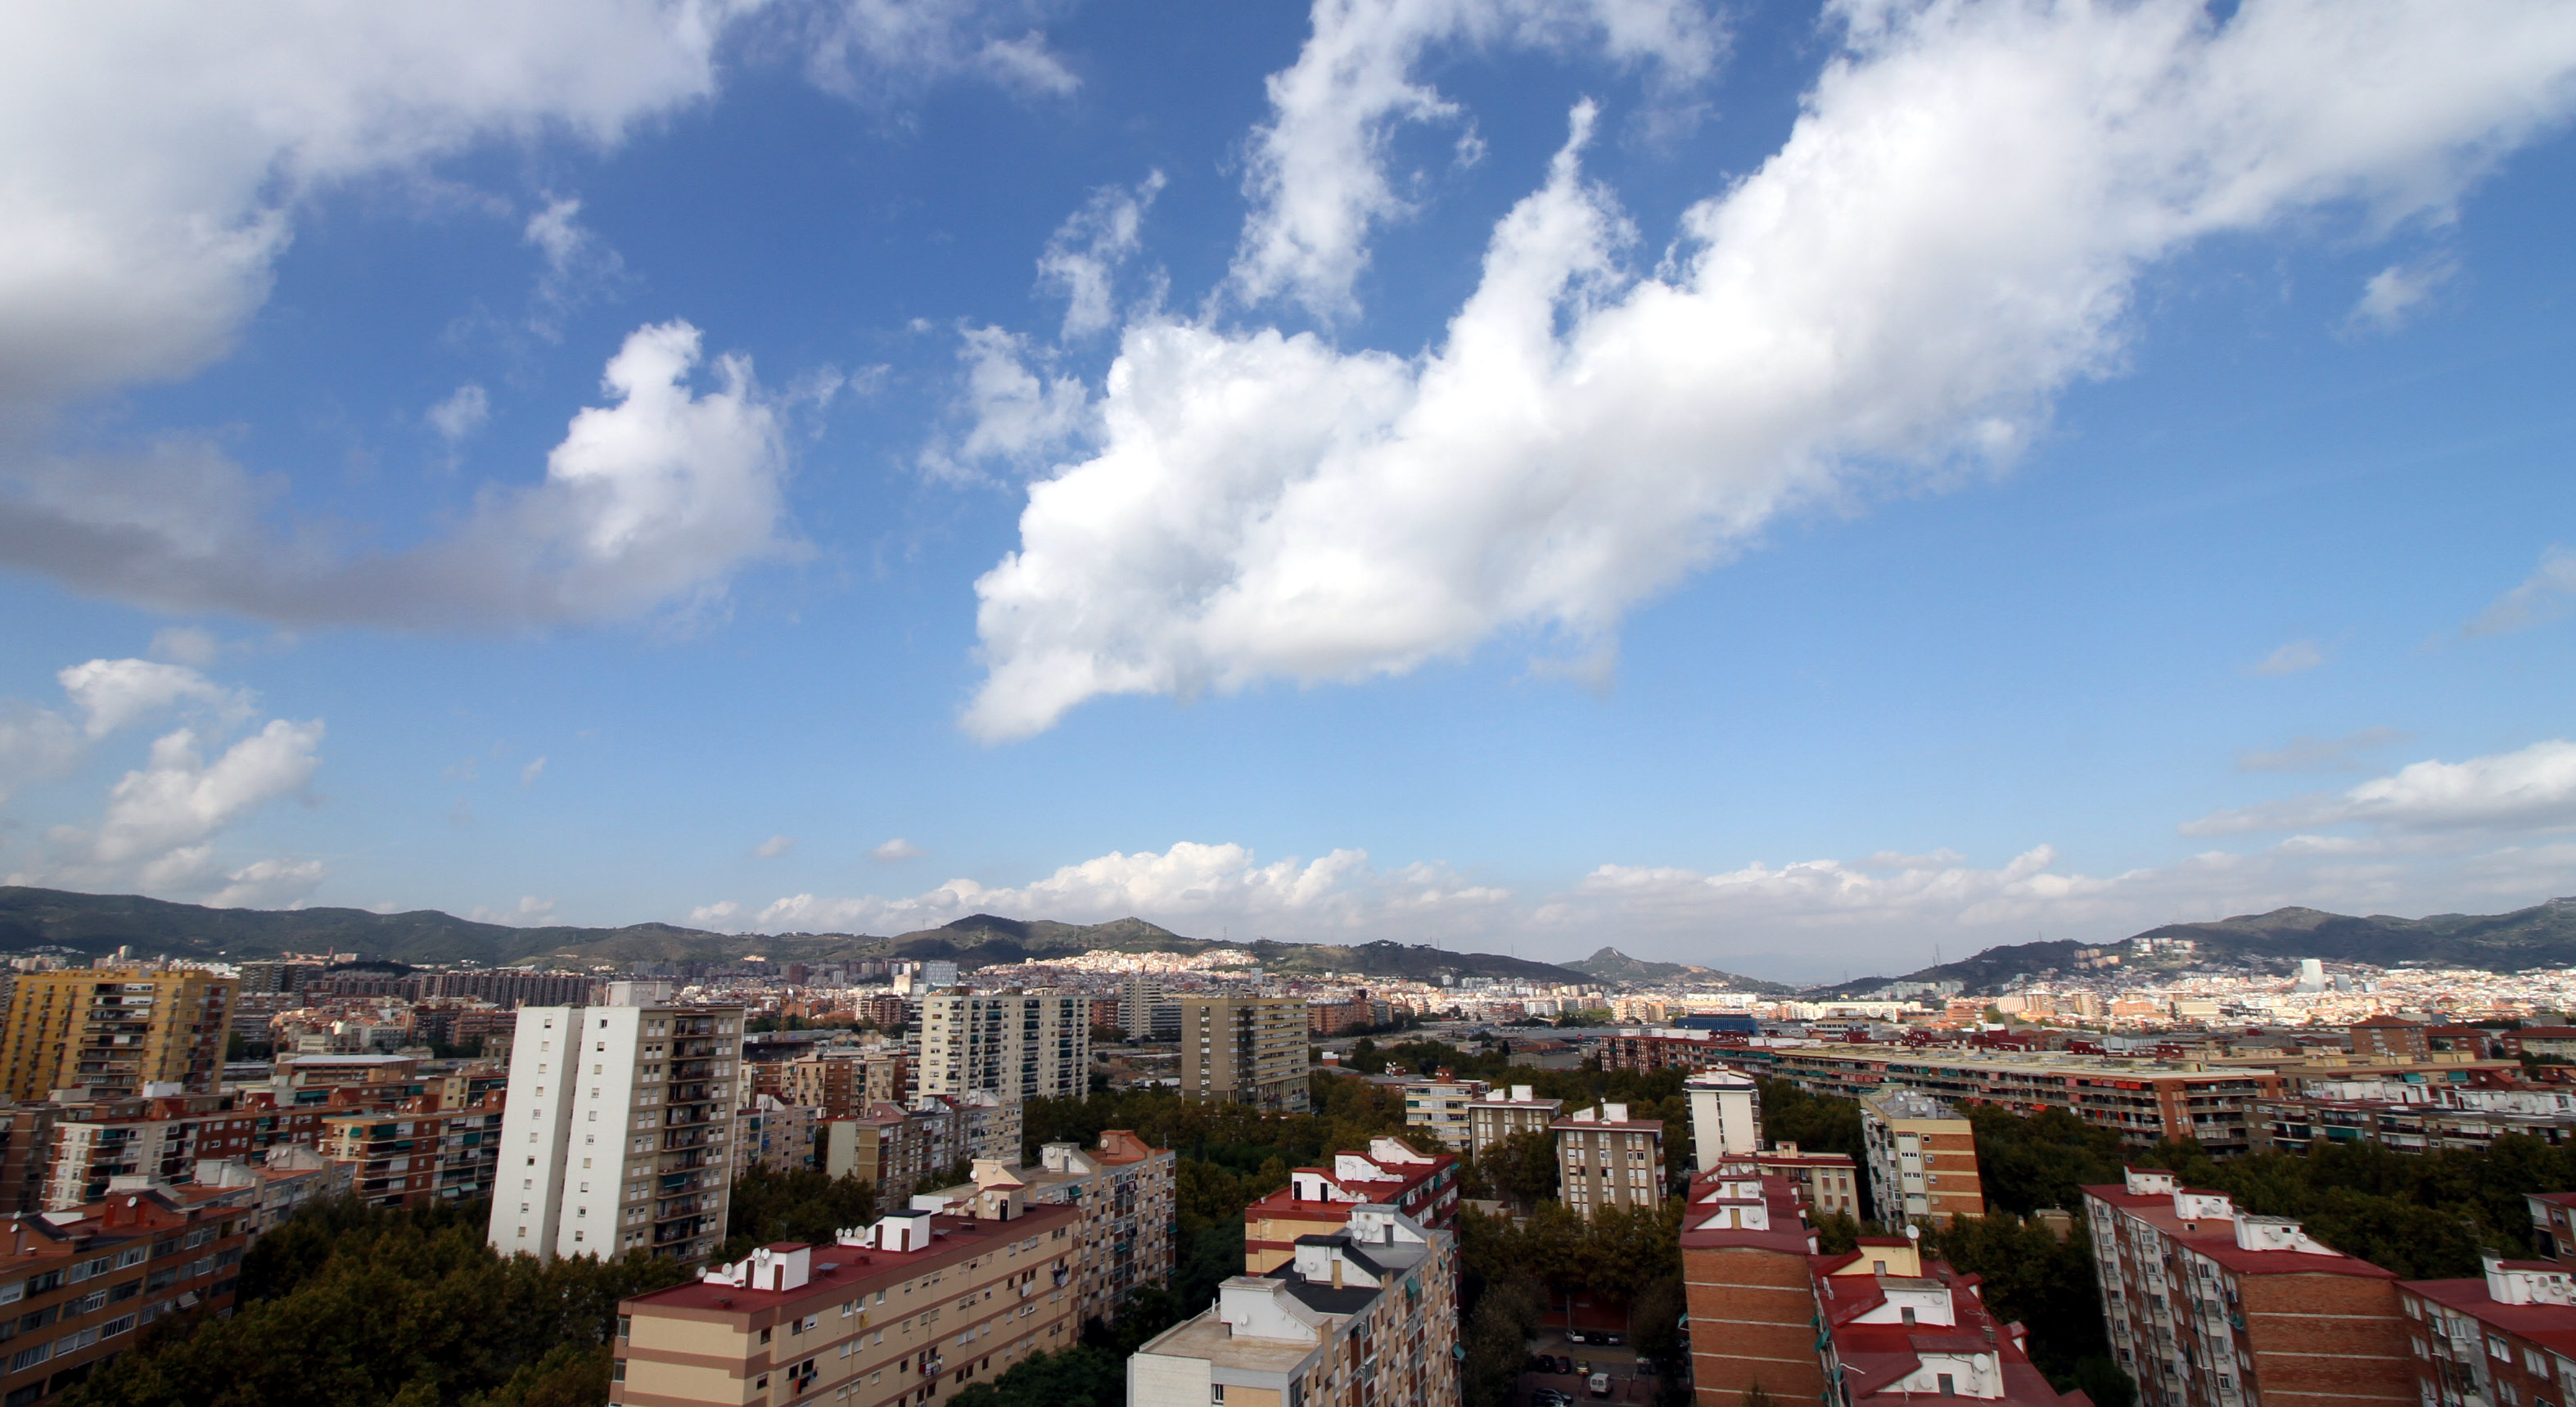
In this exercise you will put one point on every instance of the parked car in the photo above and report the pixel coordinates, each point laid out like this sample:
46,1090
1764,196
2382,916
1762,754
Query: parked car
1612,1338
1583,1369
1563,1364
1600,1384
1551,1397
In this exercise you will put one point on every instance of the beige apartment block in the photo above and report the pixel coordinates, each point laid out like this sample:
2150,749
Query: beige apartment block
904,1313
1606,1159
1496,1117
1013,1045
1922,1159
114,1031
1245,1050
1124,1189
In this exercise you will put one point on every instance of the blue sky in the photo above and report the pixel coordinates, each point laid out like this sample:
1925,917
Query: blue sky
1782,488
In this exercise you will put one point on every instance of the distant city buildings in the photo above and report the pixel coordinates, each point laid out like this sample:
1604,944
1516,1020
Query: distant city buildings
1245,1050
1014,1045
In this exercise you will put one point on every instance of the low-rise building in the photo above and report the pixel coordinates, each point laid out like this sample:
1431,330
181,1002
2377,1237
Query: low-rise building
1124,1189
1922,1159
904,1312
2208,1306
1494,1118
2141,1100
76,1288
2505,1337
1320,1201
418,1152
1606,1159
1364,1315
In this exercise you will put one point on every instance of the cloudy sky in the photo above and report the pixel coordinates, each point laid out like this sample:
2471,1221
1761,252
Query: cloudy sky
1786,487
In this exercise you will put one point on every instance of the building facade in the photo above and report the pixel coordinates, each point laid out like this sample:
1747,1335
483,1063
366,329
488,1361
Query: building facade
1245,1050
1922,1159
2505,1337
116,1032
617,1132
2211,1307
75,1290
420,1152
895,1147
1124,1191
903,1313
1492,1119
1726,1116
1320,1201
1439,1108
1013,1045
2141,1100
1606,1159
1363,1316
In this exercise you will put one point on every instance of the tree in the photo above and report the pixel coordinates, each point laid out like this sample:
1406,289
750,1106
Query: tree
801,1204
1497,1341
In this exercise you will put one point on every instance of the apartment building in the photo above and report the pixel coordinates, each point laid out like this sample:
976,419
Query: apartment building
1880,1323
1828,1183
1366,1315
2504,1339
76,1288
903,1313
1148,1011
1606,1159
2141,1100
1492,1119
2208,1306
1438,1107
419,1152
1922,1159
1321,1201
1245,1050
2553,1223
116,1032
1013,1045
1726,1116
771,1133
834,1082
1644,1049
616,1135
894,1147
2389,1037
1124,1191
2414,1117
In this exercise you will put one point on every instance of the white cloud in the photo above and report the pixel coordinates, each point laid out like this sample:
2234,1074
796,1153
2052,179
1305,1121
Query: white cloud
2306,754
2390,297
2544,595
114,694
2530,789
1316,172
156,832
1017,417
1949,236
463,412
1082,257
2297,657
531,912
657,497
715,914
578,264
268,884
528,775
774,847
186,644
898,849
35,744
875,47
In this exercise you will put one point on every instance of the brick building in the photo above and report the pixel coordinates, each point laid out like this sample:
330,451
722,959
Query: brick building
1667,1048
115,1032
76,1290
2211,1307
2389,1037
419,1152
1922,1159
902,1313
894,1146
2505,1337
2142,1101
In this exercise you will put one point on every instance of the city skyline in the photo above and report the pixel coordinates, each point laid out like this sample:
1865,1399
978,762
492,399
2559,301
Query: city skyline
1777,488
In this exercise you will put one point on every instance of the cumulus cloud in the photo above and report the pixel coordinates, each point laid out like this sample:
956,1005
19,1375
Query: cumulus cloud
2297,657
1949,236
528,775
2306,754
1081,259
2530,789
114,694
1316,171
578,264
898,849
657,497
774,847
2393,295
155,834
1017,416
2544,595
532,911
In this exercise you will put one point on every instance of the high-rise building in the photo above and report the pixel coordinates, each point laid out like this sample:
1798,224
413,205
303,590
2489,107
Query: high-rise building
1606,1159
617,1132
1726,1116
1015,1045
2208,1306
1147,1012
1922,1159
1245,1050
1494,1118
114,1031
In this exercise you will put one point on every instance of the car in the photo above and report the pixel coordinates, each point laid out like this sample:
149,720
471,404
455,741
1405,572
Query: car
1614,1339
1551,1397
1583,1370
1560,1364
1600,1384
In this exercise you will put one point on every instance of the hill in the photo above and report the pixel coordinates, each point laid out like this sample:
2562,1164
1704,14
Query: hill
2543,935
1612,965
97,924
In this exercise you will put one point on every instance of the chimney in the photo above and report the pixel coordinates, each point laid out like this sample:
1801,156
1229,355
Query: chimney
1337,1272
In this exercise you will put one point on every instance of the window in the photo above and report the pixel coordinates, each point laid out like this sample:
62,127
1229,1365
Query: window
1949,1386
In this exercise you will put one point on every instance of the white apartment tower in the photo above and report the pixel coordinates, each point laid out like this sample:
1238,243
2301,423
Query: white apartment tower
1018,1045
614,1137
1726,1119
